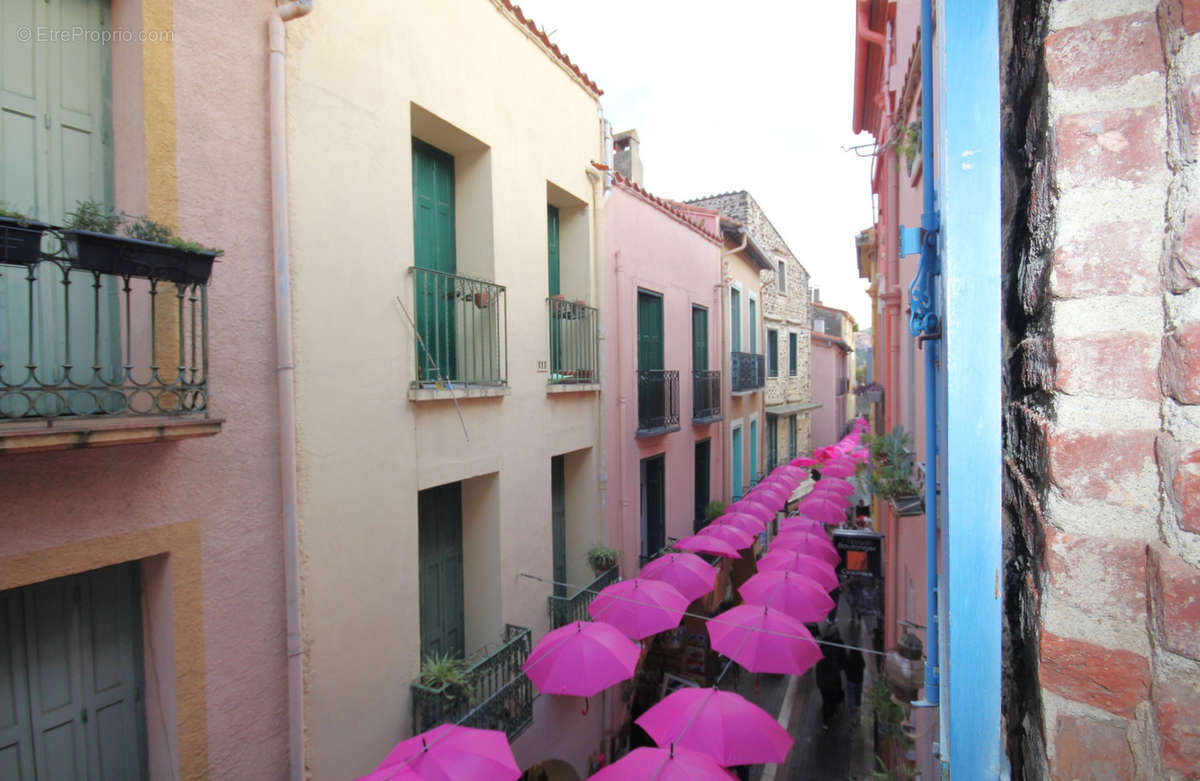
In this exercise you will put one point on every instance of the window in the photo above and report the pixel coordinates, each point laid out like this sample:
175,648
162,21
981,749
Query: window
819,325
792,436
752,309
735,320
793,349
772,353
782,276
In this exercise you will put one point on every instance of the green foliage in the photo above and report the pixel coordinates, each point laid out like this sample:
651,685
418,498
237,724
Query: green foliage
445,671
602,558
191,246
146,229
888,713
12,214
890,472
714,510
885,773
93,216
908,143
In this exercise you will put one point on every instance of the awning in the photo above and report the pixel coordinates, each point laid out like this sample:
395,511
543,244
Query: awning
790,409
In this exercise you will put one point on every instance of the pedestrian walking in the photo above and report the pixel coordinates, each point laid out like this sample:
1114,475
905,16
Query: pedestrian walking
854,680
829,675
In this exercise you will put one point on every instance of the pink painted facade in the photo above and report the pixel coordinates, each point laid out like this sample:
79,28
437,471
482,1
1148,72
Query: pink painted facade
832,373
201,516
651,246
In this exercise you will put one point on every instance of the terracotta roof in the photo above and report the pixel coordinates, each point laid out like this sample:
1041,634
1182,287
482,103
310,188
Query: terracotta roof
662,204
537,33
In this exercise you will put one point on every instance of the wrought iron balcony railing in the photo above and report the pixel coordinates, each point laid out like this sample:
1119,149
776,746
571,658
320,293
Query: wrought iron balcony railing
747,372
462,330
706,395
498,695
574,342
564,610
111,328
658,400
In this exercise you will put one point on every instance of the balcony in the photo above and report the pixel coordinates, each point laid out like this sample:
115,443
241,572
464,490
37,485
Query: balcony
498,696
706,396
574,343
100,346
747,372
658,401
564,610
462,332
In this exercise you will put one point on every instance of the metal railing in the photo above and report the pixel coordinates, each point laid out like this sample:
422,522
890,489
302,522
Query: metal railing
564,610
76,341
706,395
462,329
498,695
574,342
658,399
747,371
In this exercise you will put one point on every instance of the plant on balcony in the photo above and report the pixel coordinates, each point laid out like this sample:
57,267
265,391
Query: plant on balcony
20,237
891,468
714,510
602,558
446,674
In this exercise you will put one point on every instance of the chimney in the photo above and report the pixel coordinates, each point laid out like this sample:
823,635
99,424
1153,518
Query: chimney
627,160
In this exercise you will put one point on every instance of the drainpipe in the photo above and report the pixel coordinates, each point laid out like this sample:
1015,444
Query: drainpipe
285,374
863,26
727,363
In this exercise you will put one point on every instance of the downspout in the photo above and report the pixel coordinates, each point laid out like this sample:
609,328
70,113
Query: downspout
727,366
285,376
863,26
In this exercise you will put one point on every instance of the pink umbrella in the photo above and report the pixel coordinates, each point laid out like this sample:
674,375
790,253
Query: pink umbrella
837,469
748,523
809,566
581,659
691,575
809,545
793,473
823,500
706,543
639,607
803,461
791,537
822,513
767,500
727,532
663,764
763,640
773,492
799,523
724,725
759,511
448,751
833,485
800,597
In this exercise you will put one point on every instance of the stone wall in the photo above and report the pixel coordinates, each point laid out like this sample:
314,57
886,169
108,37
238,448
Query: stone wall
1102,388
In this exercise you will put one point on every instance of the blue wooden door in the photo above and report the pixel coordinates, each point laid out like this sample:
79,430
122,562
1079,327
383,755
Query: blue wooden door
735,472
753,470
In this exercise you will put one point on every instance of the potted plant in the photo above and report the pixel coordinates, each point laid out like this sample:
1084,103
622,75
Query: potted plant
447,675
890,471
147,248
20,238
482,300
602,558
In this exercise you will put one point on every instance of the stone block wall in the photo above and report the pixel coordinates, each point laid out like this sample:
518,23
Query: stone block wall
1102,418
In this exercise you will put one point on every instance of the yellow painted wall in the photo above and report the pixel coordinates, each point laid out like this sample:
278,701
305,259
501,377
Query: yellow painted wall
363,79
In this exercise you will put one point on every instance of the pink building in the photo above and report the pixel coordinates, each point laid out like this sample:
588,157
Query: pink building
832,373
142,611
662,292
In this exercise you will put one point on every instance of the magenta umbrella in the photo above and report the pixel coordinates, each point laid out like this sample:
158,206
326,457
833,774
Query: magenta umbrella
581,659
837,469
789,538
772,492
799,523
663,764
809,566
727,532
804,461
823,500
446,752
691,575
707,543
768,500
748,523
763,640
809,545
724,725
639,607
833,485
799,596
759,511
793,473
824,514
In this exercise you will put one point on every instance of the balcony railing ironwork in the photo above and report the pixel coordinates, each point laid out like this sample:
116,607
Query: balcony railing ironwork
498,695
706,395
124,338
747,371
574,342
658,400
462,330
564,610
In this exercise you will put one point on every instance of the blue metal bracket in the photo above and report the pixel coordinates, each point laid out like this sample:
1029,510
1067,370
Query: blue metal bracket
922,318
910,241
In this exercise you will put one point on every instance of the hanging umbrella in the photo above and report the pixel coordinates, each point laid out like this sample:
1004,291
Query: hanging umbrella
727,532
581,659
809,566
707,543
763,640
759,511
825,514
800,597
809,545
791,537
804,461
724,725
767,500
834,485
449,751
663,764
793,473
800,523
838,469
639,607
691,575
745,521
775,493
824,500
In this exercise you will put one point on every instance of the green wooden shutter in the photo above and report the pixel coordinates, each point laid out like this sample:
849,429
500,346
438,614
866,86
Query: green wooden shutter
735,320
752,316
772,353
650,331
793,349
16,731
552,242
434,249
440,547
703,467
558,515
654,522
555,287
735,471
699,339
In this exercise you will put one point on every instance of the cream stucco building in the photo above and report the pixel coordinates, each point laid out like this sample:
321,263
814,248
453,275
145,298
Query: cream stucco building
444,239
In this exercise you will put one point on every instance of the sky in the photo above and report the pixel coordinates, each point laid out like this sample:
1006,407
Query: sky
754,96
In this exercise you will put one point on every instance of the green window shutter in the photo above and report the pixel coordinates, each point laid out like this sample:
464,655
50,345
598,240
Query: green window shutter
703,468
16,731
773,353
553,244
793,348
434,249
650,331
654,519
735,470
440,548
558,523
753,467
752,315
699,339
735,320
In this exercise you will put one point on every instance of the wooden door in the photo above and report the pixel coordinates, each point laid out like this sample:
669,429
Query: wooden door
654,506
440,547
558,516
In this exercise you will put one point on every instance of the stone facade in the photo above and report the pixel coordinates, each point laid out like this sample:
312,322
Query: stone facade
1102,419
786,310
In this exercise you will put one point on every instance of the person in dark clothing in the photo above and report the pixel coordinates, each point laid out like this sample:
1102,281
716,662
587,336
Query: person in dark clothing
854,678
829,675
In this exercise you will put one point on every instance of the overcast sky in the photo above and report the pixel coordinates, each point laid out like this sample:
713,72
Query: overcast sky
752,96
